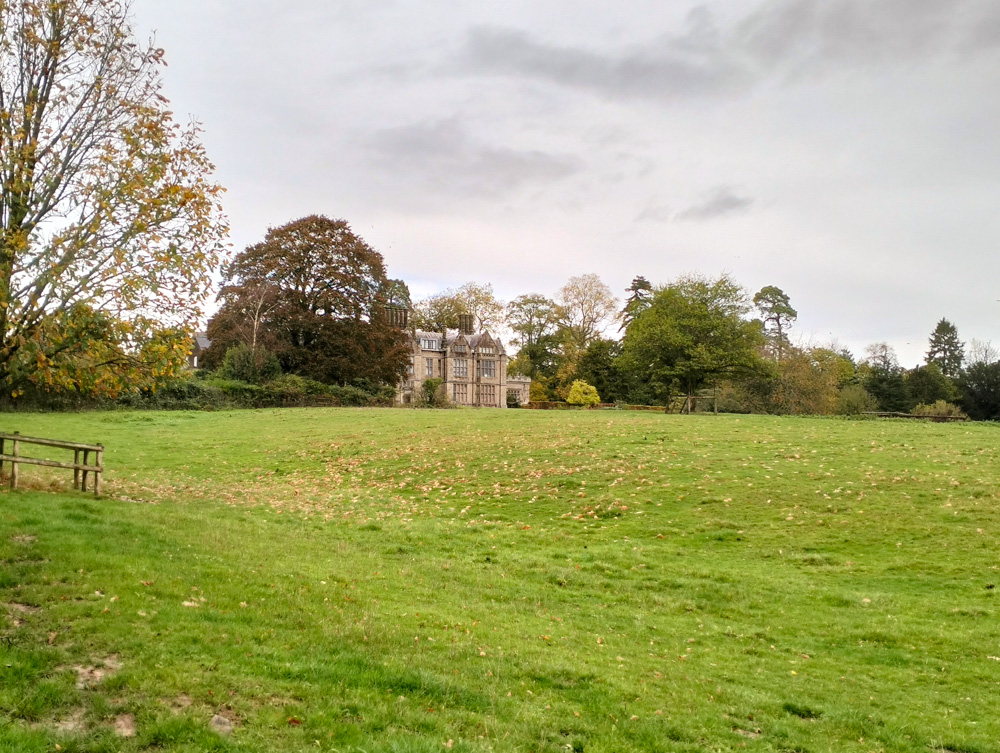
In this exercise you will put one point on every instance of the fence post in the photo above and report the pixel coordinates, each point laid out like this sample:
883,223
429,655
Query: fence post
13,463
2,440
86,461
76,471
98,472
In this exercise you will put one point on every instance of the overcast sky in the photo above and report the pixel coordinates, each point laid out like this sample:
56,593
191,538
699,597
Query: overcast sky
846,151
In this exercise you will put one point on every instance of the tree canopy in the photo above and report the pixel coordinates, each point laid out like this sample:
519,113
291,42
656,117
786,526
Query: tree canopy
532,318
110,225
587,307
694,333
884,379
442,310
945,349
979,383
778,315
314,294
639,293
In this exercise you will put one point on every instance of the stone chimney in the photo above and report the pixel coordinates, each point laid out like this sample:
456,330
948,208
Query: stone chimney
398,316
466,323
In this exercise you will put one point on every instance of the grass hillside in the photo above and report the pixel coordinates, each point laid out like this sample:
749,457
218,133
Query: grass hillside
393,580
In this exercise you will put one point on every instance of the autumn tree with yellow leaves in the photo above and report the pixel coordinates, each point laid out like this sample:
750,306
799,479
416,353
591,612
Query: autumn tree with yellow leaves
110,223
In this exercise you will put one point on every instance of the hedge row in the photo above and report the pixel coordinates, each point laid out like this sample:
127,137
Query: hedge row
214,393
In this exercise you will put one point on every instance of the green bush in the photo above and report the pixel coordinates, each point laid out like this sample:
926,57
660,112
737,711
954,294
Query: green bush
433,394
581,393
213,391
292,387
854,400
351,395
939,408
245,365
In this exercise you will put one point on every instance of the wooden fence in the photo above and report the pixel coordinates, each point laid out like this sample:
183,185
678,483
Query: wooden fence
80,469
921,416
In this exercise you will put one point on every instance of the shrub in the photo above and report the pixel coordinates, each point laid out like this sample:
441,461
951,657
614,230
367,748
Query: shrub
245,365
358,397
854,400
939,408
537,392
290,388
581,393
433,394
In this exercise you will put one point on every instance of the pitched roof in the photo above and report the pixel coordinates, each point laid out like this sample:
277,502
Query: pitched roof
451,335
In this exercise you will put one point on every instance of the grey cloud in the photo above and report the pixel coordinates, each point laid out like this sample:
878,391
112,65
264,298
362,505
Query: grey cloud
986,34
719,202
815,33
673,66
655,214
441,156
780,38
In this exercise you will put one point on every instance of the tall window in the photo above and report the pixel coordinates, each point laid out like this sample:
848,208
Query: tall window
488,369
461,367
460,393
487,394
429,370
409,366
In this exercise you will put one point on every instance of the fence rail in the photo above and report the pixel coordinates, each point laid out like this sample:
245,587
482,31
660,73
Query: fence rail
925,417
80,469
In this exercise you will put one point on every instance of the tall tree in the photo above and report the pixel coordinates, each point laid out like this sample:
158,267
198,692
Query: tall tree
639,294
926,385
326,291
778,316
441,311
587,306
532,318
398,294
694,334
599,366
945,349
883,378
110,225
979,382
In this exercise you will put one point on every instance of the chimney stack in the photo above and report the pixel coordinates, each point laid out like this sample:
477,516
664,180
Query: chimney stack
398,316
465,323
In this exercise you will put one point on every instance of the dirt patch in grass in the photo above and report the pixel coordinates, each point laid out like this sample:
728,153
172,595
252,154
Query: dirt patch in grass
88,677
14,609
69,725
178,704
24,538
22,608
124,725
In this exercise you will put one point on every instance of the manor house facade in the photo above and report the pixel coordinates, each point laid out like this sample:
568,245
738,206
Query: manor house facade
472,367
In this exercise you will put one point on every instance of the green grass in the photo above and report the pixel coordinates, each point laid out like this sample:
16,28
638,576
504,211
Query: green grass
392,580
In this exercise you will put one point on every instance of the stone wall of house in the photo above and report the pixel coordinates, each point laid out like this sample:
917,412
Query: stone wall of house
473,368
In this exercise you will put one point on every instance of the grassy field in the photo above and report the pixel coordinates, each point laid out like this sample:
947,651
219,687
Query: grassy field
394,580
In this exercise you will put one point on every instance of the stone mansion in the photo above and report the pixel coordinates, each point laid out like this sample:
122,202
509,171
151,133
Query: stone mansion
472,367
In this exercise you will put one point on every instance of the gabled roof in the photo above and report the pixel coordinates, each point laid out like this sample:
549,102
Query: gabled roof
454,336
